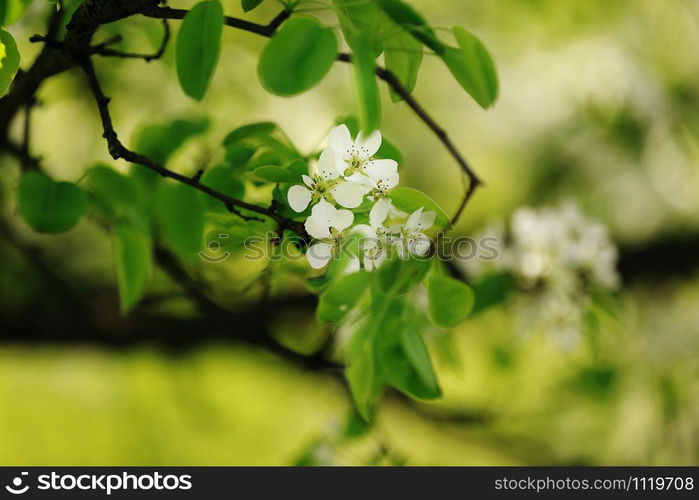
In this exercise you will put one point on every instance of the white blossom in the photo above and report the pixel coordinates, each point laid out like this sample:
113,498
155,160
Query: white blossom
355,160
326,224
325,184
413,239
375,237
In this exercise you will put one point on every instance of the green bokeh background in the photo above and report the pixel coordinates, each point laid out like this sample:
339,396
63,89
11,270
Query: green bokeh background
599,104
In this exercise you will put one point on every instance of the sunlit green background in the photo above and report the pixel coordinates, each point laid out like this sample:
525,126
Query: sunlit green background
599,104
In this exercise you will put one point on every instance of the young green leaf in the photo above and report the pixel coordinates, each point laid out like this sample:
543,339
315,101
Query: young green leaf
114,193
49,206
198,47
362,18
297,57
341,297
397,276
9,60
227,180
160,141
179,209
491,291
366,88
405,16
472,67
396,364
450,300
132,254
416,352
409,199
403,56
249,5
273,173
362,372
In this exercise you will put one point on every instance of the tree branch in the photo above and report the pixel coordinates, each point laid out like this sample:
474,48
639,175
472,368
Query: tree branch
118,150
103,49
260,29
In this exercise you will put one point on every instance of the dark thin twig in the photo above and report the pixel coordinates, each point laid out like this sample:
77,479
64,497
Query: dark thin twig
118,150
103,49
233,22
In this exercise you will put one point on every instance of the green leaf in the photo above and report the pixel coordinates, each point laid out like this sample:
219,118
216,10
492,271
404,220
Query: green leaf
263,135
227,180
249,5
9,60
160,141
359,18
409,199
366,88
409,19
132,253
450,300
396,366
297,57
398,276
198,47
355,425
179,209
362,372
403,56
115,194
491,291
472,67
341,297
416,352
12,10
273,173
238,156
49,206
252,130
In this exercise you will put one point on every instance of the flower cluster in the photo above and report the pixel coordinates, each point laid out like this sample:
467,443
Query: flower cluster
347,174
559,256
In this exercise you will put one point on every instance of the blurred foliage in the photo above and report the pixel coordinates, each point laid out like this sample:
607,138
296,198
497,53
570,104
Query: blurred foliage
599,103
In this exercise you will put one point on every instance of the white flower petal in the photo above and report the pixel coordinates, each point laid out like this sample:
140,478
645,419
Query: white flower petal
379,212
323,212
377,260
414,219
340,140
361,179
390,182
352,266
317,230
367,146
342,219
327,167
365,231
299,197
308,181
318,255
349,194
368,263
381,169
427,220
419,245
